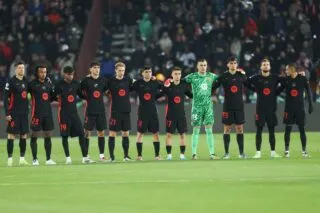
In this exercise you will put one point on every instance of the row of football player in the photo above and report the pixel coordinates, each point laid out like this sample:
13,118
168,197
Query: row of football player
93,87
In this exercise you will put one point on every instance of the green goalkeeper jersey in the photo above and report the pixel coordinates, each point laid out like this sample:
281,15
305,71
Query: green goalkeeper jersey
201,88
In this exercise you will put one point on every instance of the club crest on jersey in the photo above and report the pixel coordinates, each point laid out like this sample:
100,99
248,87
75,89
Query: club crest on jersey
122,92
266,91
204,86
44,87
70,98
294,92
293,84
45,96
23,86
24,94
147,96
96,85
234,89
177,99
96,94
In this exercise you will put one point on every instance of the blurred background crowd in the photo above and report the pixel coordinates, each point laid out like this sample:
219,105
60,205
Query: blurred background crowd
163,34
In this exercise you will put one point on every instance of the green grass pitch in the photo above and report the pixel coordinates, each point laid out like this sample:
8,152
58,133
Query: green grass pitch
259,186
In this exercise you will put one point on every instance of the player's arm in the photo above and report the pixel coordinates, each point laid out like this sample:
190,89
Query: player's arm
188,91
6,98
79,92
160,90
250,83
84,87
281,85
188,78
308,92
217,83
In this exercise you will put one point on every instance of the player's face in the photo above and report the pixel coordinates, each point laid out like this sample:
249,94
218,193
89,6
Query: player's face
233,65
69,76
95,71
176,75
202,67
265,66
290,71
42,73
120,72
20,70
147,74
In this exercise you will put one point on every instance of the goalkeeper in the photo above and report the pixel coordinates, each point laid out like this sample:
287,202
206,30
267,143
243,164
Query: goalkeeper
202,106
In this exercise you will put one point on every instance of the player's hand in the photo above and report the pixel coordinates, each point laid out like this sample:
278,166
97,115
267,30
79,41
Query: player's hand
153,78
88,75
8,118
303,73
167,83
310,109
241,71
48,80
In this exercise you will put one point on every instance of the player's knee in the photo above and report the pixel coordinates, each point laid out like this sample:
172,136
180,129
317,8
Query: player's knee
100,133
47,134
239,129
125,134
35,134
156,136
11,136
112,134
139,137
24,136
182,136
227,129
208,130
87,133
169,135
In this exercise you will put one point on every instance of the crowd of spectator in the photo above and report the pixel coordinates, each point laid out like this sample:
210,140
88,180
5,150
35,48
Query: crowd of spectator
165,33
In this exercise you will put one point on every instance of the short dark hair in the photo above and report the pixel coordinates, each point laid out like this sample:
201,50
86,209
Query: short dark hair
265,60
68,69
176,69
232,58
94,63
18,63
40,66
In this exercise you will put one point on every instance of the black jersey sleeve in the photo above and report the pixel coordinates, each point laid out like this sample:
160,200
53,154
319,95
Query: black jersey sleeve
250,82
308,92
282,85
6,96
188,91
217,83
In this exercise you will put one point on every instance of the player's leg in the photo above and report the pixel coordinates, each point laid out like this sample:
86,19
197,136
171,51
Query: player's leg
125,128
182,146
227,120
272,122
101,144
125,146
156,145
10,144
47,126
101,125
169,145
258,142
300,121
89,124
208,121
239,132
170,129
287,140
111,144
34,147
182,128
23,147
48,147
24,129
153,127
196,122
239,121
65,126
226,140
139,145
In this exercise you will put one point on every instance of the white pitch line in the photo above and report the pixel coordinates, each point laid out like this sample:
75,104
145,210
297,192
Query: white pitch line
265,179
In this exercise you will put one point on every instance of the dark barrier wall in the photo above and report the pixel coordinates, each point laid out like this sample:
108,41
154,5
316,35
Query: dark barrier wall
312,120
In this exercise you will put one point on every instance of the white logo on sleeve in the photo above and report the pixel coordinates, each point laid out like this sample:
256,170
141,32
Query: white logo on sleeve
7,86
